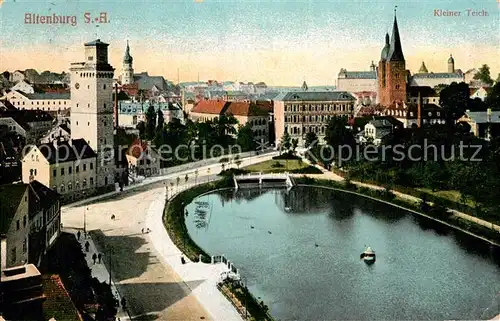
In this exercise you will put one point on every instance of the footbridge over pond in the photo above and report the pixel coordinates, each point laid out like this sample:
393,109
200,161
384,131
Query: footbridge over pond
264,180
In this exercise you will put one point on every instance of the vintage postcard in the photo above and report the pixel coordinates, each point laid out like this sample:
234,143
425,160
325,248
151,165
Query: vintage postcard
232,160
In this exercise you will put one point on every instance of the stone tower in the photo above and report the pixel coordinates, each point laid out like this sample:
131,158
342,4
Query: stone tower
392,70
92,108
423,69
128,71
451,64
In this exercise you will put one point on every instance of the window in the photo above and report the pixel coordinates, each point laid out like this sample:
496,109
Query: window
70,186
91,58
62,171
91,181
91,166
18,226
24,221
25,246
62,188
104,103
13,253
69,170
84,167
77,168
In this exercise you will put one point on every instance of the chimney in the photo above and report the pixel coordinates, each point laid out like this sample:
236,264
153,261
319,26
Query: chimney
116,106
419,111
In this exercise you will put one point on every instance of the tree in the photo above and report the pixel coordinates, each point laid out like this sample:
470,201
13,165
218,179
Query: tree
225,129
150,122
161,120
483,75
434,175
245,138
493,99
295,143
141,126
454,100
311,137
286,141
498,78
338,135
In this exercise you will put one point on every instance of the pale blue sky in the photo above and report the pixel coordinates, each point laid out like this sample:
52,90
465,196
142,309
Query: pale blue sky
178,33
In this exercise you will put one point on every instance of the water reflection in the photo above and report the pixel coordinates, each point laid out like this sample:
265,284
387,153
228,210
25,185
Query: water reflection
305,264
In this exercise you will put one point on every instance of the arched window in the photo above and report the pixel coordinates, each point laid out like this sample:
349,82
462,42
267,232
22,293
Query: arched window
62,188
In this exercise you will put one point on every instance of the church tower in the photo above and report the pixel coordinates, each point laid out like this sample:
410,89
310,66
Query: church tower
451,64
128,71
92,108
392,70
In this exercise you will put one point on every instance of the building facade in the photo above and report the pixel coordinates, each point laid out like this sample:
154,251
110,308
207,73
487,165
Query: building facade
51,102
92,109
142,159
69,168
298,113
31,124
29,222
357,81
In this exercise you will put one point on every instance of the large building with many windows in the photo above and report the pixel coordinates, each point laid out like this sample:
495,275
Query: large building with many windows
298,113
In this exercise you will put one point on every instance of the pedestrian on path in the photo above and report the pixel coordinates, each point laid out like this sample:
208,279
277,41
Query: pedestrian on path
183,261
78,235
87,245
113,217
142,231
99,257
94,257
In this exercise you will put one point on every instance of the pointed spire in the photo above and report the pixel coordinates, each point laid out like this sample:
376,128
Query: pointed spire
304,86
386,38
127,58
396,52
423,68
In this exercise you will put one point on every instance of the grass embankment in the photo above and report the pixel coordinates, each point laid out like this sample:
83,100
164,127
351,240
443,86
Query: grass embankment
243,300
437,210
283,163
449,199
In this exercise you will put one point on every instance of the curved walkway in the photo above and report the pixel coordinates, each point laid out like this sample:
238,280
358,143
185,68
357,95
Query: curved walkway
332,176
145,269
206,292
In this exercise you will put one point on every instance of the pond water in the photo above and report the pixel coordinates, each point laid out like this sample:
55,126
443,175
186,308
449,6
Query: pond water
302,256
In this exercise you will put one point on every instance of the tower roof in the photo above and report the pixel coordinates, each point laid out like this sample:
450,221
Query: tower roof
304,86
127,58
96,42
423,68
396,52
451,60
385,50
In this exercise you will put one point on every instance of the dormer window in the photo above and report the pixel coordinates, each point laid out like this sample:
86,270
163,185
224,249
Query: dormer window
91,58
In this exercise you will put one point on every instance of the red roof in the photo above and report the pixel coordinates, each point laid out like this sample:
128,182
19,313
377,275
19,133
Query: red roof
137,148
245,109
58,304
209,107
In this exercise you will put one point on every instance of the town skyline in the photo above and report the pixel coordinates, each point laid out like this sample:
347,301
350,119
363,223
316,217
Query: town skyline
238,43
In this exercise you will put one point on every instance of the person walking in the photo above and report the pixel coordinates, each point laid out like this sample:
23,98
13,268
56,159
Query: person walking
94,257
99,257
78,235
87,245
142,231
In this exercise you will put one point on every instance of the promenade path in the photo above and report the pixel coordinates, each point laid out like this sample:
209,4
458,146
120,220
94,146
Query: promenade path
332,176
145,267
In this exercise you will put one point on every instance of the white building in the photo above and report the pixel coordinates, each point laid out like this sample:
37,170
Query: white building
16,76
480,93
92,108
23,86
358,81
44,101
60,133
131,113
